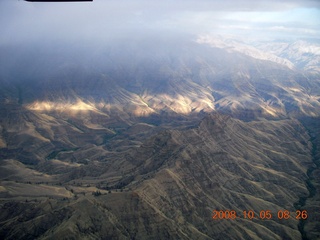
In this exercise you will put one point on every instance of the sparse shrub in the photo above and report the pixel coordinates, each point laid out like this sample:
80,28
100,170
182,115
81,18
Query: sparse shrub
96,193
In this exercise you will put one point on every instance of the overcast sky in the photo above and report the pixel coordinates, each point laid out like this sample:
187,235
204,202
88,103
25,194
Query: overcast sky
102,19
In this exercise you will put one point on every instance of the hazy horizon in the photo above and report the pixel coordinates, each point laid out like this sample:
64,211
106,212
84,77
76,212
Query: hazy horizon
22,21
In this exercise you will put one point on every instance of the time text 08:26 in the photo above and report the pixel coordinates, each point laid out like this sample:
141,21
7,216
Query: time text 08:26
263,214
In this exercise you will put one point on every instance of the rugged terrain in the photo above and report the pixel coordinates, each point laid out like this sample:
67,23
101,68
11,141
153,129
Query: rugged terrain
120,143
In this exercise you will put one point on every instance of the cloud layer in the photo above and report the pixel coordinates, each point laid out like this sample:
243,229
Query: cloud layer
100,19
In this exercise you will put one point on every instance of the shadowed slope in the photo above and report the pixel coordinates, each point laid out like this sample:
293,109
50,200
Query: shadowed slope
169,185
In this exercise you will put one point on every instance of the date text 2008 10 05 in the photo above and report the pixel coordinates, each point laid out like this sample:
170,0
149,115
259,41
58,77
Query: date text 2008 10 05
263,214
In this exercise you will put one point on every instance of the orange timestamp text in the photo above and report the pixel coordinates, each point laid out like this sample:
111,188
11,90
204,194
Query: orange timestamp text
263,214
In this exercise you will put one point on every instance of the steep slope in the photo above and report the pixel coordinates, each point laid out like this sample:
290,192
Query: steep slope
227,165
236,45
129,80
304,55
111,141
311,203
170,185
32,137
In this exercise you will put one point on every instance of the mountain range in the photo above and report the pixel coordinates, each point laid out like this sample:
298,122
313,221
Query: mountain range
150,138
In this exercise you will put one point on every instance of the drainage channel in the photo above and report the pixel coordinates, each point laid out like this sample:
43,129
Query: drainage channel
313,128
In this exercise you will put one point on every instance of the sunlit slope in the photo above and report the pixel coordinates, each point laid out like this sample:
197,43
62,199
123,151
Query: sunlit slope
32,137
113,143
134,79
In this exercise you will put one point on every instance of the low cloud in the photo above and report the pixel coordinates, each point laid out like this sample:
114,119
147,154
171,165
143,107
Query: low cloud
103,20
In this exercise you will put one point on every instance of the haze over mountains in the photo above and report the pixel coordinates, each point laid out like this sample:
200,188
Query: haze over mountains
133,122
143,133
153,75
